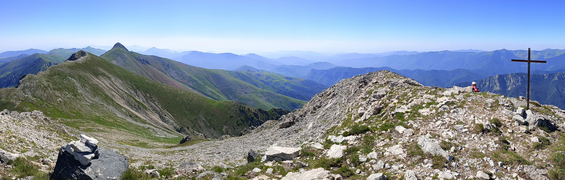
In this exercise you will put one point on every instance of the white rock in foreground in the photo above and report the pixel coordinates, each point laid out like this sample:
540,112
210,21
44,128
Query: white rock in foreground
6,156
482,175
378,176
277,153
336,151
431,146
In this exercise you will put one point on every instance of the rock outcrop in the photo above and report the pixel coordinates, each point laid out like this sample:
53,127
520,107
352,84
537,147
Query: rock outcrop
277,153
431,146
6,156
83,159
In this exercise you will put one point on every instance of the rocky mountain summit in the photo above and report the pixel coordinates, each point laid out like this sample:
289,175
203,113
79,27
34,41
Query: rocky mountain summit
379,126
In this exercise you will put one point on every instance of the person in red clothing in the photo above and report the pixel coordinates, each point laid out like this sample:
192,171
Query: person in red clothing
475,89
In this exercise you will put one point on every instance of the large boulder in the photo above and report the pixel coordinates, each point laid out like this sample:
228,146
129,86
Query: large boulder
185,139
6,156
83,159
542,121
431,146
252,155
277,153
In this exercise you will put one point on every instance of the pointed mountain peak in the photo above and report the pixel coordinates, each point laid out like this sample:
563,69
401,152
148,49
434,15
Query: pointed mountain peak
77,55
119,45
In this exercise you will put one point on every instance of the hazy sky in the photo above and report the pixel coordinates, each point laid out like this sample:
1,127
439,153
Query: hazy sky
272,25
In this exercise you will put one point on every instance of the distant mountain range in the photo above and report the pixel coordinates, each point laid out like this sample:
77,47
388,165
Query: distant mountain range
497,62
17,53
545,88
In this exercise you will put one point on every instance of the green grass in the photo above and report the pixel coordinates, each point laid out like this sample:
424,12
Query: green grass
496,122
344,172
414,149
509,158
438,162
356,130
386,126
24,168
326,163
478,128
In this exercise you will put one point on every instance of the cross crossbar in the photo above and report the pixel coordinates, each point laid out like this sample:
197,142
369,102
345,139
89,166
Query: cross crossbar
528,61
534,61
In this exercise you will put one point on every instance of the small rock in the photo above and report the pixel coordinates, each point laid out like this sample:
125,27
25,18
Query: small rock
410,175
372,155
378,176
380,165
269,171
93,143
260,177
362,158
155,174
319,173
336,151
431,146
257,170
500,164
78,146
445,174
400,129
317,146
482,175
535,139
519,120
396,150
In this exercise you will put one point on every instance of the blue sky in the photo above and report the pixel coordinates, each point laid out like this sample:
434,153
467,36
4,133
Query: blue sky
269,25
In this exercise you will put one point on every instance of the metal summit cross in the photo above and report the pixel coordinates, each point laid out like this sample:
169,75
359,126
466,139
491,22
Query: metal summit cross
528,61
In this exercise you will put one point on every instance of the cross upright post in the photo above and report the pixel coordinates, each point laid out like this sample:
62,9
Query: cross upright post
528,61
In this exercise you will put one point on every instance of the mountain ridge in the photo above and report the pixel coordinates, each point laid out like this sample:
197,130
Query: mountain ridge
248,88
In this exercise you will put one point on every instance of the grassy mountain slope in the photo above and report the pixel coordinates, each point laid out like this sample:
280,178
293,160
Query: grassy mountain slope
10,73
545,88
96,96
247,88
10,59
